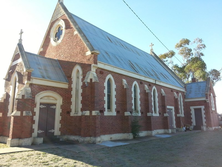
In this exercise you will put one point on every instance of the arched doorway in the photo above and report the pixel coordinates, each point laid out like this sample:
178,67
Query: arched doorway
47,114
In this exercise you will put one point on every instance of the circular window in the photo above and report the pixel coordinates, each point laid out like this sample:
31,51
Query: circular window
57,32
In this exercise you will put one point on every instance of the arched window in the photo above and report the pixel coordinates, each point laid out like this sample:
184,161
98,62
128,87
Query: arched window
77,88
13,93
76,91
212,102
181,104
136,99
155,107
110,96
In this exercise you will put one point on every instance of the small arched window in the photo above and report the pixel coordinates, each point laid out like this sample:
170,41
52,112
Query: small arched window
212,102
76,91
110,96
181,104
13,94
136,99
155,107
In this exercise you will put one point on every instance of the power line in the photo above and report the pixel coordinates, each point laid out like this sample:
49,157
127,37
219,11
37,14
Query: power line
149,29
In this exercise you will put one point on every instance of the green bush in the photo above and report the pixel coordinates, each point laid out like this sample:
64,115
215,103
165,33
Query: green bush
135,127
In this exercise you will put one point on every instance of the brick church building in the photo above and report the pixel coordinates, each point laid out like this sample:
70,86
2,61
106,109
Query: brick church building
88,85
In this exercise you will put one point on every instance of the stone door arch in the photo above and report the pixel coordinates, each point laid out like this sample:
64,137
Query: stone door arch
48,97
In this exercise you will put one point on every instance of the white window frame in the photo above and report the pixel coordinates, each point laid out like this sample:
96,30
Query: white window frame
181,106
112,111
57,24
138,112
212,102
155,113
74,101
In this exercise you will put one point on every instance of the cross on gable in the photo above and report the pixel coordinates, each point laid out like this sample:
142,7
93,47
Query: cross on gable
151,47
58,34
20,40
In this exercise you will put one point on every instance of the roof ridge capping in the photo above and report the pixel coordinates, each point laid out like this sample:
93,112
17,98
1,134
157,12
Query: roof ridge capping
74,23
167,68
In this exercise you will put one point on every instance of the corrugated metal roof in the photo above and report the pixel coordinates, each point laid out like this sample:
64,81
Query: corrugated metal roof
46,68
116,52
196,90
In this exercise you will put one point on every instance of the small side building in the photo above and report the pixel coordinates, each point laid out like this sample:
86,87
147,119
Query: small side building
200,105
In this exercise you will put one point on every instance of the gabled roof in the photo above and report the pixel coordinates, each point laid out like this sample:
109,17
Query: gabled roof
118,53
196,90
45,68
41,67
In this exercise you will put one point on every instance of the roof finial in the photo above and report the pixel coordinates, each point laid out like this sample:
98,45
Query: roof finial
151,47
60,1
20,40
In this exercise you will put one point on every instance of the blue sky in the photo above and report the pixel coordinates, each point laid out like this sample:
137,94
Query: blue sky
170,20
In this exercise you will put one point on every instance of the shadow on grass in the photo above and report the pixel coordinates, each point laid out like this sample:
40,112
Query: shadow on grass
185,149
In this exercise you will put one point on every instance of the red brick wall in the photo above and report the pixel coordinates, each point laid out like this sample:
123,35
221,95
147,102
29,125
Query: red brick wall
113,124
71,47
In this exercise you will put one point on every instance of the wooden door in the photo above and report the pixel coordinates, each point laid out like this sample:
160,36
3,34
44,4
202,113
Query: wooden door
170,118
46,126
198,119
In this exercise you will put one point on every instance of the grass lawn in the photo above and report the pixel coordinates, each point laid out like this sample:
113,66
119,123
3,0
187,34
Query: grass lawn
3,145
202,149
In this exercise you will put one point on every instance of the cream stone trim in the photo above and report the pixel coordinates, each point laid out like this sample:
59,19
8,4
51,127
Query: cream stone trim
95,113
166,115
163,93
175,95
54,29
90,75
147,89
117,136
50,83
27,113
155,113
111,112
0,114
13,93
3,97
73,106
154,132
75,32
138,107
20,142
26,91
125,85
136,76
127,113
196,99
16,113
86,113
56,99
193,115
16,62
